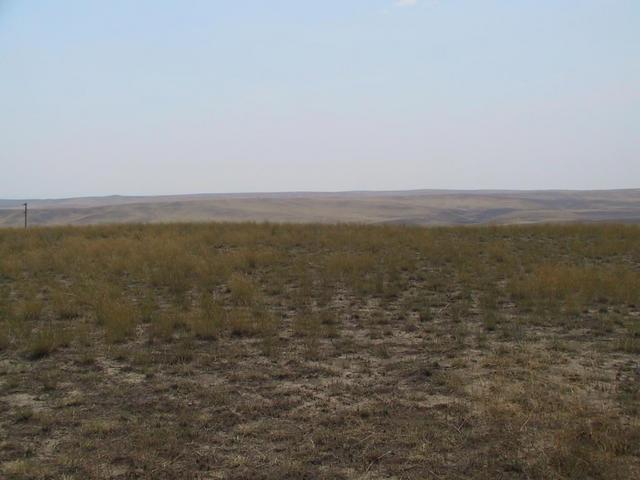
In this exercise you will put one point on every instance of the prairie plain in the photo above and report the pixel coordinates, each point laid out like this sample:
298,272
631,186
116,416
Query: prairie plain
410,207
270,351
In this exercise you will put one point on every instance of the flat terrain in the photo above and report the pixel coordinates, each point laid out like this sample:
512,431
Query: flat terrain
271,351
421,207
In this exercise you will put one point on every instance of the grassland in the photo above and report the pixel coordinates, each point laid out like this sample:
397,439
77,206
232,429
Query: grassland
270,351
419,207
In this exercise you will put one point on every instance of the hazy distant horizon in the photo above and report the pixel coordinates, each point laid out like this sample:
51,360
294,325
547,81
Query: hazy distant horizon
165,98
326,192
414,207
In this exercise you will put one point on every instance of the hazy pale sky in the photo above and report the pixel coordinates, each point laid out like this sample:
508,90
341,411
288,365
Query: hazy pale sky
163,97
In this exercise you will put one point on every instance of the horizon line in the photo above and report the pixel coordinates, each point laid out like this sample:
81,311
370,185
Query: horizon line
319,192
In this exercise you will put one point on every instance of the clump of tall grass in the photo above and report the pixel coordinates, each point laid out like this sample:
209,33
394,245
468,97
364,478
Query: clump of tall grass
578,286
31,309
164,325
270,330
64,305
595,446
45,341
628,345
243,291
308,326
251,322
170,265
5,340
147,307
241,322
208,322
490,319
118,317
349,266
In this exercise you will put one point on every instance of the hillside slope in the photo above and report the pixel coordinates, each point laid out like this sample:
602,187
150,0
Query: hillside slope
422,207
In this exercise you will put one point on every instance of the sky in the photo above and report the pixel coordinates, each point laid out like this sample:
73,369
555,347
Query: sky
153,97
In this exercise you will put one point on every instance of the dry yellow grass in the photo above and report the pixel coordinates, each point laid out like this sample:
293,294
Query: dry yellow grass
308,351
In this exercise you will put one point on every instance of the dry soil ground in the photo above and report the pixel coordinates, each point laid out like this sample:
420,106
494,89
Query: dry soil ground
246,351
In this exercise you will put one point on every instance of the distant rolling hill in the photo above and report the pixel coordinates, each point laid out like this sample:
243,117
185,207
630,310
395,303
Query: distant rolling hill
417,207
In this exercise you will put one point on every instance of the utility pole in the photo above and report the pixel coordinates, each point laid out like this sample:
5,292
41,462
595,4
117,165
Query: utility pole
25,215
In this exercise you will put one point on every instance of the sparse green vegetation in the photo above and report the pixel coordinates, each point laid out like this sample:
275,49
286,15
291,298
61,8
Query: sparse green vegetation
308,351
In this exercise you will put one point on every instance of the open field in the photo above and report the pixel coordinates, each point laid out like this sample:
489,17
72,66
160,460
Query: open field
420,207
271,351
